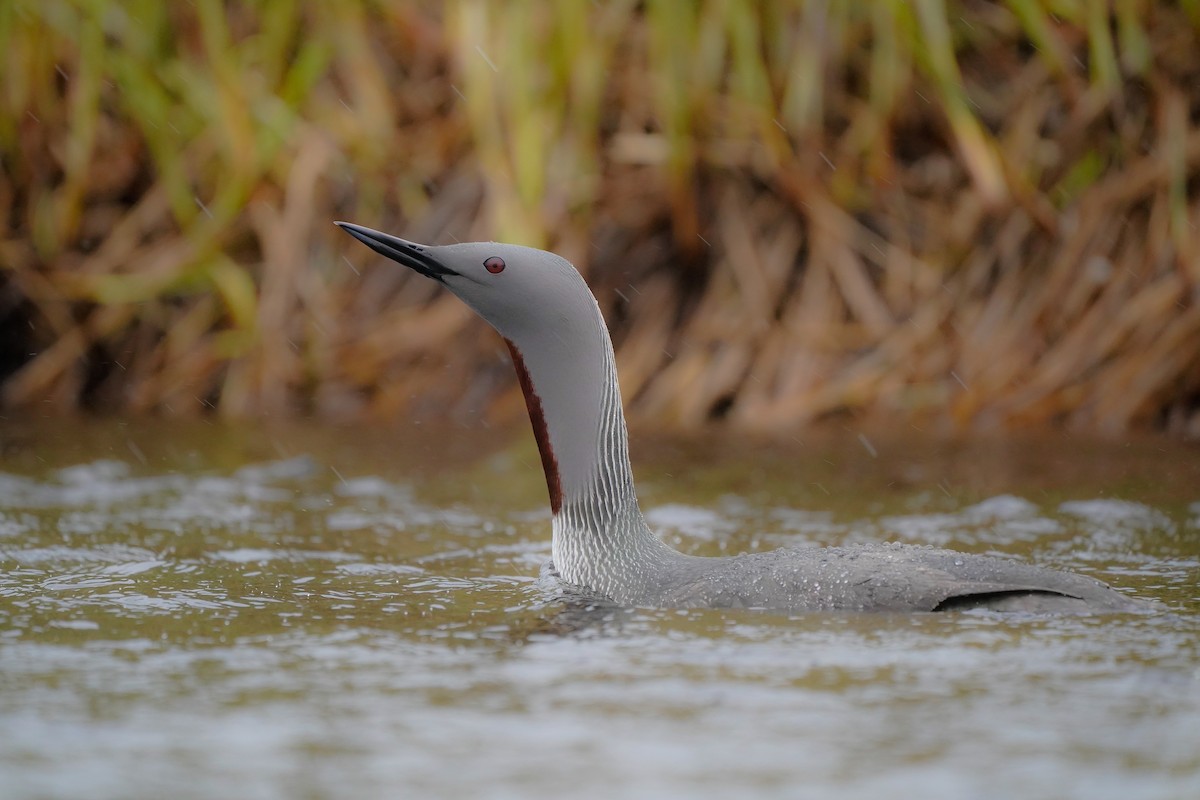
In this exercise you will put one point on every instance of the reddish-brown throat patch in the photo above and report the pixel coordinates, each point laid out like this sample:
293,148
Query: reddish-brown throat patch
537,417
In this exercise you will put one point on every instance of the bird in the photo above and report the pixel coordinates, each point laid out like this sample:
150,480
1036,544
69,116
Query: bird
601,545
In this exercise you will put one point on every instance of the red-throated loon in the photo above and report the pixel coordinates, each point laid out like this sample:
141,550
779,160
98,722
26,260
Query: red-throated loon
601,544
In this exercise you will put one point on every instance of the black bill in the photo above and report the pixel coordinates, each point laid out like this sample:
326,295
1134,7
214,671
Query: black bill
412,255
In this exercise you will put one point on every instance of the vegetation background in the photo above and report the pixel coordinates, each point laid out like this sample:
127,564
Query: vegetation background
973,214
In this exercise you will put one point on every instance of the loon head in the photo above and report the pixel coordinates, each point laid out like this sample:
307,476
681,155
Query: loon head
522,292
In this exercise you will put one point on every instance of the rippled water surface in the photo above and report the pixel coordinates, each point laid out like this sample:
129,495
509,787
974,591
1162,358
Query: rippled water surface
199,611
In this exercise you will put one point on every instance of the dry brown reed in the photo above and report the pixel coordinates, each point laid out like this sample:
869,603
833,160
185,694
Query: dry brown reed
972,214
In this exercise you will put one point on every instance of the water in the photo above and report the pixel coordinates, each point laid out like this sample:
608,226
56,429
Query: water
197,611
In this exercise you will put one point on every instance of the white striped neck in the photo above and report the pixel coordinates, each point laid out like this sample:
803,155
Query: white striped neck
567,372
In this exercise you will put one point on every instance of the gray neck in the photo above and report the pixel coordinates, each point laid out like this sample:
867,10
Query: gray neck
600,538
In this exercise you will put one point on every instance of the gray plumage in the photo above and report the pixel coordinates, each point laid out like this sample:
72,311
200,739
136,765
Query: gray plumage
601,544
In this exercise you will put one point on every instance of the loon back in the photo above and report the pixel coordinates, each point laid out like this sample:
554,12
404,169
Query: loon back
888,577
601,544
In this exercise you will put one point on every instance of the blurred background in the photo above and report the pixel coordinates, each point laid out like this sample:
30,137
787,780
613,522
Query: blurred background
970,215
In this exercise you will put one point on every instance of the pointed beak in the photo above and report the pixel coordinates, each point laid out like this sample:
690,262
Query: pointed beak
412,255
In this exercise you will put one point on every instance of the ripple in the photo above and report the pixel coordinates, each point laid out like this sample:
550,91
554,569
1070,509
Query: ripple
65,554
362,568
1002,507
250,555
692,521
1125,514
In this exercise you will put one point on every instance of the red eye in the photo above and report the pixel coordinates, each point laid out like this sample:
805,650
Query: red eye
494,265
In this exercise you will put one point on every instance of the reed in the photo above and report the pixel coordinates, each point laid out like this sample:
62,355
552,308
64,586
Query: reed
969,213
